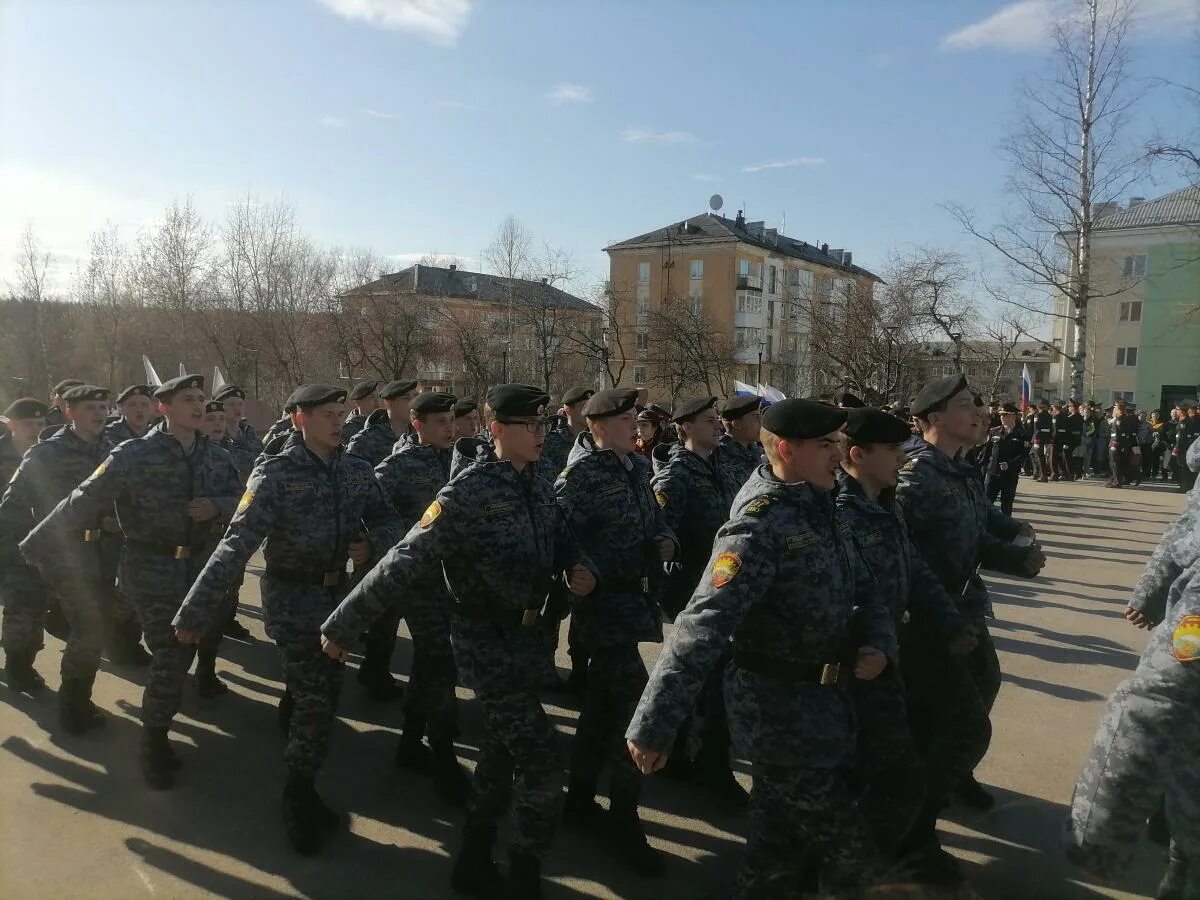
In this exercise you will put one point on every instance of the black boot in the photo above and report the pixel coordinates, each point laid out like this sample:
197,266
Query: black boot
581,809
1180,881
577,680
156,758
381,686
20,673
287,704
300,819
624,833
1156,827
56,621
974,795
328,818
450,779
208,685
236,630
411,752
76,712
713,769
524,877
475,871
125,646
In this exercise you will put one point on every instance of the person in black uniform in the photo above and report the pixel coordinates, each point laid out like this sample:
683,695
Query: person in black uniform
1074,439
1043,440
1122,439
1059,437
1007,449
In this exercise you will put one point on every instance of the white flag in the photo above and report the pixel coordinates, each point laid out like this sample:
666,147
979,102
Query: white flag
773,394
218,381
182,370
740,387
151,375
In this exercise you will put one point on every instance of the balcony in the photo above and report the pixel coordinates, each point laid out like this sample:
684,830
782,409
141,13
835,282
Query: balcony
749,283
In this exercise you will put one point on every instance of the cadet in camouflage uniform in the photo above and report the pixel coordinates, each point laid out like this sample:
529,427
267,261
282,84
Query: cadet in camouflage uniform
466,419
1144,752
168,487
136,405
377,439
740,449
1156,589
50,470
55,414
364,396
561,438
20,590
411,478
606,497
888,771
243,445
804,619
956,531
233,398
497,536
311,508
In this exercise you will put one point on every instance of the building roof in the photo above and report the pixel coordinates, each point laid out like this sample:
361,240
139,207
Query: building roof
1022,351
478,286
710,227
1179,208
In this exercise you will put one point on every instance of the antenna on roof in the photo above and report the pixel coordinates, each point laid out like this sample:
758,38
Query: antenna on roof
715,202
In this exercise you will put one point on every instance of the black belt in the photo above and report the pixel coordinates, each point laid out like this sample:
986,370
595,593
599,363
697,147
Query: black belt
523,617
175,551
299,576
816,673
637,584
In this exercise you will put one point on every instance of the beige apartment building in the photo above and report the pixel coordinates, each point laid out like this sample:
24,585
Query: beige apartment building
756,289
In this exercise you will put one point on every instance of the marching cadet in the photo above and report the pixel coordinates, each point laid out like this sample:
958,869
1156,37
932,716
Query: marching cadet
49,471
311,508
607,500
887,768
1042,434
561,439
242,444
168,487
56,414
466,419
410,479
365,397
784,585
1073,429
24,420
387,424
233,398
741,416
1007,449
695,490
135,404
498,539
1060,443
955,530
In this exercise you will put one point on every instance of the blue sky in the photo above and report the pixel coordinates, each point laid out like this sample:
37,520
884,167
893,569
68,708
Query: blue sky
411,126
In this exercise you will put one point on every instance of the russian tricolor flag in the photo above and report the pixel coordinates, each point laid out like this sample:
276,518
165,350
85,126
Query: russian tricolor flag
1026,388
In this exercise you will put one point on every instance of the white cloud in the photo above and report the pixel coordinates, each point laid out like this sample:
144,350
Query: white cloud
1027,24
785,163
376,114
331,122
437,21
646,136
701,176
566,92
458,104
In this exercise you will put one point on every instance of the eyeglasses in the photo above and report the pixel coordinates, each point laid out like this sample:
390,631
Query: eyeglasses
533,426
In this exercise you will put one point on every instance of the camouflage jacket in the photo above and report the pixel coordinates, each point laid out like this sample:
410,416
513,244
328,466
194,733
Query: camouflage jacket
120,431
953,526
494,533
9,460
376,440
304,513
1158,588
695,495
248,438
411,477
279,427
903,579
609,505
742,460
355,422
556,451
242,456
785,584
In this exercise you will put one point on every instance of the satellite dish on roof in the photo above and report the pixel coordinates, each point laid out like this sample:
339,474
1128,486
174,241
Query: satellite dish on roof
715,202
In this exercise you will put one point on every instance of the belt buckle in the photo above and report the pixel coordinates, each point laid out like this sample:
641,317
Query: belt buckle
91,534
529,618
830,672
331,579
182,552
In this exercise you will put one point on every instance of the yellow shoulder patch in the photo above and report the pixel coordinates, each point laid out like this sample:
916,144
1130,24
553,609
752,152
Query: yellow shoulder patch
661,498
757,505
244,503
99,470
431,513
565,472
725,567
1185,643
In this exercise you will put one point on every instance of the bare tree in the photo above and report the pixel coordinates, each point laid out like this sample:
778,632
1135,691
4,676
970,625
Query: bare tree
997,345
690,351
33,264
1070,150
105,286
598,341
172,263
509,256
539,312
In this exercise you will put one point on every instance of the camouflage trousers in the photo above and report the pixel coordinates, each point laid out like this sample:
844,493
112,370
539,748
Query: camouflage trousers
82,605
429,699
24,618
169,659
314,682
616,679
888,777
798,816
518,763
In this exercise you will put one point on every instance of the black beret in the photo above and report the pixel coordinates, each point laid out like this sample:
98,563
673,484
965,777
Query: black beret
309,395
646,415
657,410
1009,408
847,400
802,419
463,407
978,399
689,408
65,384
167,388
612,402
576,395
738,406
517,400
394,389
135,390
230,390
83,392
26,408
363,389
433,402
865,425
937,392
214,406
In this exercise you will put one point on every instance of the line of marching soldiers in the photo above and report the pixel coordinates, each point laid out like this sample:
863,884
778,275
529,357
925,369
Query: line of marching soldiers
821,567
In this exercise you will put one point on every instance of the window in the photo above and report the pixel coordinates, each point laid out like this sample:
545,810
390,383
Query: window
643,273
1134,266
697,268
743,267
639,374
643,340
643,306
1131,310
1127,357
771,279
1127,396
793,343
697,305
747,338
749,303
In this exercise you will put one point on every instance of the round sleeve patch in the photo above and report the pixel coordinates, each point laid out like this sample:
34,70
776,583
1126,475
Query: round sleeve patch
244,503
661,498
431,513
725,567
1185,643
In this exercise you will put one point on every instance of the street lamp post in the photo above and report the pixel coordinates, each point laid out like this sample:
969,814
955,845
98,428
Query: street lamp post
758,379
504,362
255,352
956,337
